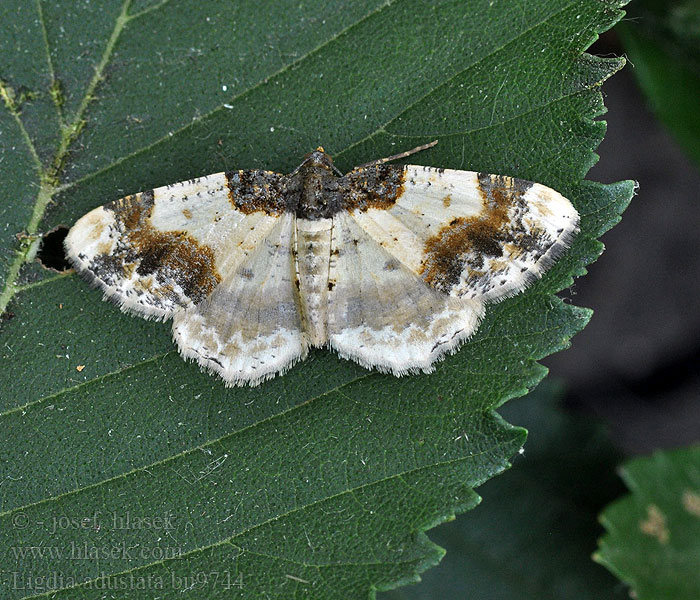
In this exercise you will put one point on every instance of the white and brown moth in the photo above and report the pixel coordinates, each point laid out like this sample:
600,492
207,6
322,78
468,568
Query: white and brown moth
390,265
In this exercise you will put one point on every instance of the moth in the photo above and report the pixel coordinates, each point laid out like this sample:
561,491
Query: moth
389,265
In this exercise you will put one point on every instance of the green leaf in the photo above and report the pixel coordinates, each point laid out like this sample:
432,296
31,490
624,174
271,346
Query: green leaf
320,482
533,534
653,535
662,40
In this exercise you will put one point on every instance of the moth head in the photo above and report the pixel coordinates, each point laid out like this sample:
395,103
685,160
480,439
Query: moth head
319,158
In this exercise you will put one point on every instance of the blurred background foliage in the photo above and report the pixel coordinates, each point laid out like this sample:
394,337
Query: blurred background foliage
662,41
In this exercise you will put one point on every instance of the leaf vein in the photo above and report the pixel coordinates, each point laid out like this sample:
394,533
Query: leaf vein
47,177
458,74
293,511
235,98
49,63
172,457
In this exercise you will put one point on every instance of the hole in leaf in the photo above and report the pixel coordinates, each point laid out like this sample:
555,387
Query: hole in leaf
51,253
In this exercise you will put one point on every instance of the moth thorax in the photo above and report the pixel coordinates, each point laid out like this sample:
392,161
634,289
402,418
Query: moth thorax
317,181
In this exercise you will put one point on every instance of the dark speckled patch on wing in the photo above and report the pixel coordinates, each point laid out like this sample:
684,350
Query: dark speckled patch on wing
260,191
168,267
471,253
376,186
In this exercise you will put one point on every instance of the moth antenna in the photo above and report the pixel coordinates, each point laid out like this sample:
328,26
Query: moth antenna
381,161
